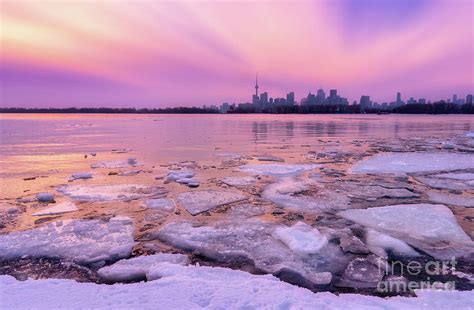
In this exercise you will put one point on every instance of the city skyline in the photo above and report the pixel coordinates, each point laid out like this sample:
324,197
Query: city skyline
163,54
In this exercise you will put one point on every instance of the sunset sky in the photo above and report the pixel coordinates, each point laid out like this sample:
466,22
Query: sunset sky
159,53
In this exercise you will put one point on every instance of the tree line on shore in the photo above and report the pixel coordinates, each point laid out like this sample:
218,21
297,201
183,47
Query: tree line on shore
440,107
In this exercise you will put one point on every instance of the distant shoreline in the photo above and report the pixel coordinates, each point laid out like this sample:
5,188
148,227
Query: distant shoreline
430,109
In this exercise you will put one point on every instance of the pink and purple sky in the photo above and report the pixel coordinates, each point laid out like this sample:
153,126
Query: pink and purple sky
82,53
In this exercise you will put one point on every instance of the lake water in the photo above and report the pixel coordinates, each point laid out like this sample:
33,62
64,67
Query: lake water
131,157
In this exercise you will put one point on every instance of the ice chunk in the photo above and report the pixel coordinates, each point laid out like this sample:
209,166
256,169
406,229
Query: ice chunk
455,176
64,207
114,164
45,197
175,175
432,228
245,211
375,239
161,204
83,241
455,200
80,176
239,181
376,191
193,287
413,162
252,243
278,170
200,201
301,238
137,268
445,183
303,195
109,192
270,158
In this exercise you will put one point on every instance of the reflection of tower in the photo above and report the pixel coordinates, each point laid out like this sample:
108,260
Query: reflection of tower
256,85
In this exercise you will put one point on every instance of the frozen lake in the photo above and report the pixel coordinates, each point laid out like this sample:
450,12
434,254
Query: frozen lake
311,199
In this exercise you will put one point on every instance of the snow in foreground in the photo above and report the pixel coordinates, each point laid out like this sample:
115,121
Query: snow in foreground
192,287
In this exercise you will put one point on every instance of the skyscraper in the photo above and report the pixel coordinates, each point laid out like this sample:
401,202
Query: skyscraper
256,85
290,98
399,99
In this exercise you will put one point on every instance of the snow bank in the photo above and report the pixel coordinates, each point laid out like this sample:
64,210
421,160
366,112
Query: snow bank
84,241
432,228
138,268
278,170
413,162
64,207
200,201
194,287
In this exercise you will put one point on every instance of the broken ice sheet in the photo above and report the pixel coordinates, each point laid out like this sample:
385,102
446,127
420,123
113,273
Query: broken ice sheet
200,201
253,243
446,183
83,241
60,208
303,195
413,162
239,181
137,268
431,228
109,192
278,170
450,199
114,164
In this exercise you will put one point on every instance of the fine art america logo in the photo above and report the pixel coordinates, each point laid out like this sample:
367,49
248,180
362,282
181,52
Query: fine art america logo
397,274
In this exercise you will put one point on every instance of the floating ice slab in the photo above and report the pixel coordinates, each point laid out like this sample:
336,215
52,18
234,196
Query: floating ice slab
432,228
239,181
292,194
83,241
137,268
375,239
200,201
270,158
455,200
253,243
375,191
81,176
64,207
114,164
413,162
278,170
245,211
161,204
455,176
445,183
193,287
301,238
109,192
179,174
45,197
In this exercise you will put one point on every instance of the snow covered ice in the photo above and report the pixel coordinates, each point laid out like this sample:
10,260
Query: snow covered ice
109,192
278,170
200,201
193,287
60,208
138,268
269,247
413,162
431,228
114,164
83,241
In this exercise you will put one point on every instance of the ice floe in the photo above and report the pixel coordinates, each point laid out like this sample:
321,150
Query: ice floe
278,170
109,192
301,238
193,287
114,164
431,228
303,195
137,268
376,241
413,162
80,176
45,197
257,244
239,181
450,199
445,183
245,211
160,204
455,176
83,241
60,208
270,158
200,201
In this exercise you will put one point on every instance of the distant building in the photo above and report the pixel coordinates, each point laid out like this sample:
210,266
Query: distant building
422,101
411,101
455,99
290,98
399,101
320,96
365,102
469,99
